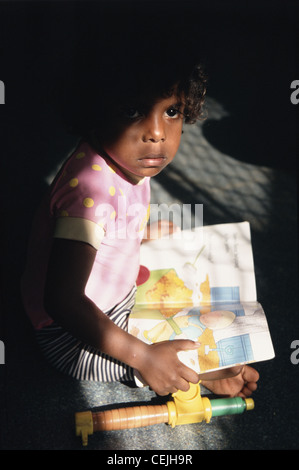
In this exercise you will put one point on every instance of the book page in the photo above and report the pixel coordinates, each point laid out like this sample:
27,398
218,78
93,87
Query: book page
229,333
201,286
209,264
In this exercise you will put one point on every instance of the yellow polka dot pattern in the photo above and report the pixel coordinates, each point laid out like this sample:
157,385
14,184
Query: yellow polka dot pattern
88,202
96,167
73,182
80,155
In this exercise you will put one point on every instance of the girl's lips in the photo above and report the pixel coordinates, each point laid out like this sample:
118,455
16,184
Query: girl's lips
153,160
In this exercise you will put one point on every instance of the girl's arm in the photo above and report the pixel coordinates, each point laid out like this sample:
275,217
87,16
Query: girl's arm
65,301
69,268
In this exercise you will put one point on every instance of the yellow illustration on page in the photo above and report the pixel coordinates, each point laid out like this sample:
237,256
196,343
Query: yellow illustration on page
169,289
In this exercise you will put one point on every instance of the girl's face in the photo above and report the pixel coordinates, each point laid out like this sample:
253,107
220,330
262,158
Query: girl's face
144,139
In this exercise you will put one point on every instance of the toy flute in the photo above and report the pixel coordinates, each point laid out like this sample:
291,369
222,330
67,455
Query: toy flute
185,408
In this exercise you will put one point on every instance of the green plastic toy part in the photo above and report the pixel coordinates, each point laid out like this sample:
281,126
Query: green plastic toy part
184,408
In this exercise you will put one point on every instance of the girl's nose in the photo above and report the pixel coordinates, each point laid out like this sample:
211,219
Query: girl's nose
154,130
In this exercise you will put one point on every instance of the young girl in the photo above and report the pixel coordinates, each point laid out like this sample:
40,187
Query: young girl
83,259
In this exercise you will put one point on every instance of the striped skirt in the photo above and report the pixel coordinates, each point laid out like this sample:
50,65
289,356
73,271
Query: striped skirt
73,357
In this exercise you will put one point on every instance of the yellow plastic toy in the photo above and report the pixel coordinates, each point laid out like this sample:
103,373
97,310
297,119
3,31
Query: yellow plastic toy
185,408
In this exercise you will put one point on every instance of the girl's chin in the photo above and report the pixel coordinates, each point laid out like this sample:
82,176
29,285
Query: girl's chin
139,175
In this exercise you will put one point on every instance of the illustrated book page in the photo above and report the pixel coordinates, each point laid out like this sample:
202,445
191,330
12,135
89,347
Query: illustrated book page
200,285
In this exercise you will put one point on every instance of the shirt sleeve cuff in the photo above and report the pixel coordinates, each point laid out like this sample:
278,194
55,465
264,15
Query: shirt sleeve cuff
75,228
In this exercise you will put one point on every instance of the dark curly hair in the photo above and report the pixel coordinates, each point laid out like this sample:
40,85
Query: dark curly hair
116,65
193,89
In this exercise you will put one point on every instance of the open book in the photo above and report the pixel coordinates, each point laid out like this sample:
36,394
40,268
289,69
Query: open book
200,285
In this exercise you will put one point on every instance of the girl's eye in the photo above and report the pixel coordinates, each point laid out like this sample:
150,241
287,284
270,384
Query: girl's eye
173,112
131,113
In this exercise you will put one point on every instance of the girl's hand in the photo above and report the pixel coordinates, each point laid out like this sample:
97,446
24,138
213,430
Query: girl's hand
159,229
162,370
233,382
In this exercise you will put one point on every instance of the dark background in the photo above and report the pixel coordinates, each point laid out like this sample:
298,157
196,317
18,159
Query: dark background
250,53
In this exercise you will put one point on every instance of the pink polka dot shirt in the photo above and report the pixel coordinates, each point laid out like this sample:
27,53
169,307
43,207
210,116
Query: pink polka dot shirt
90,200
